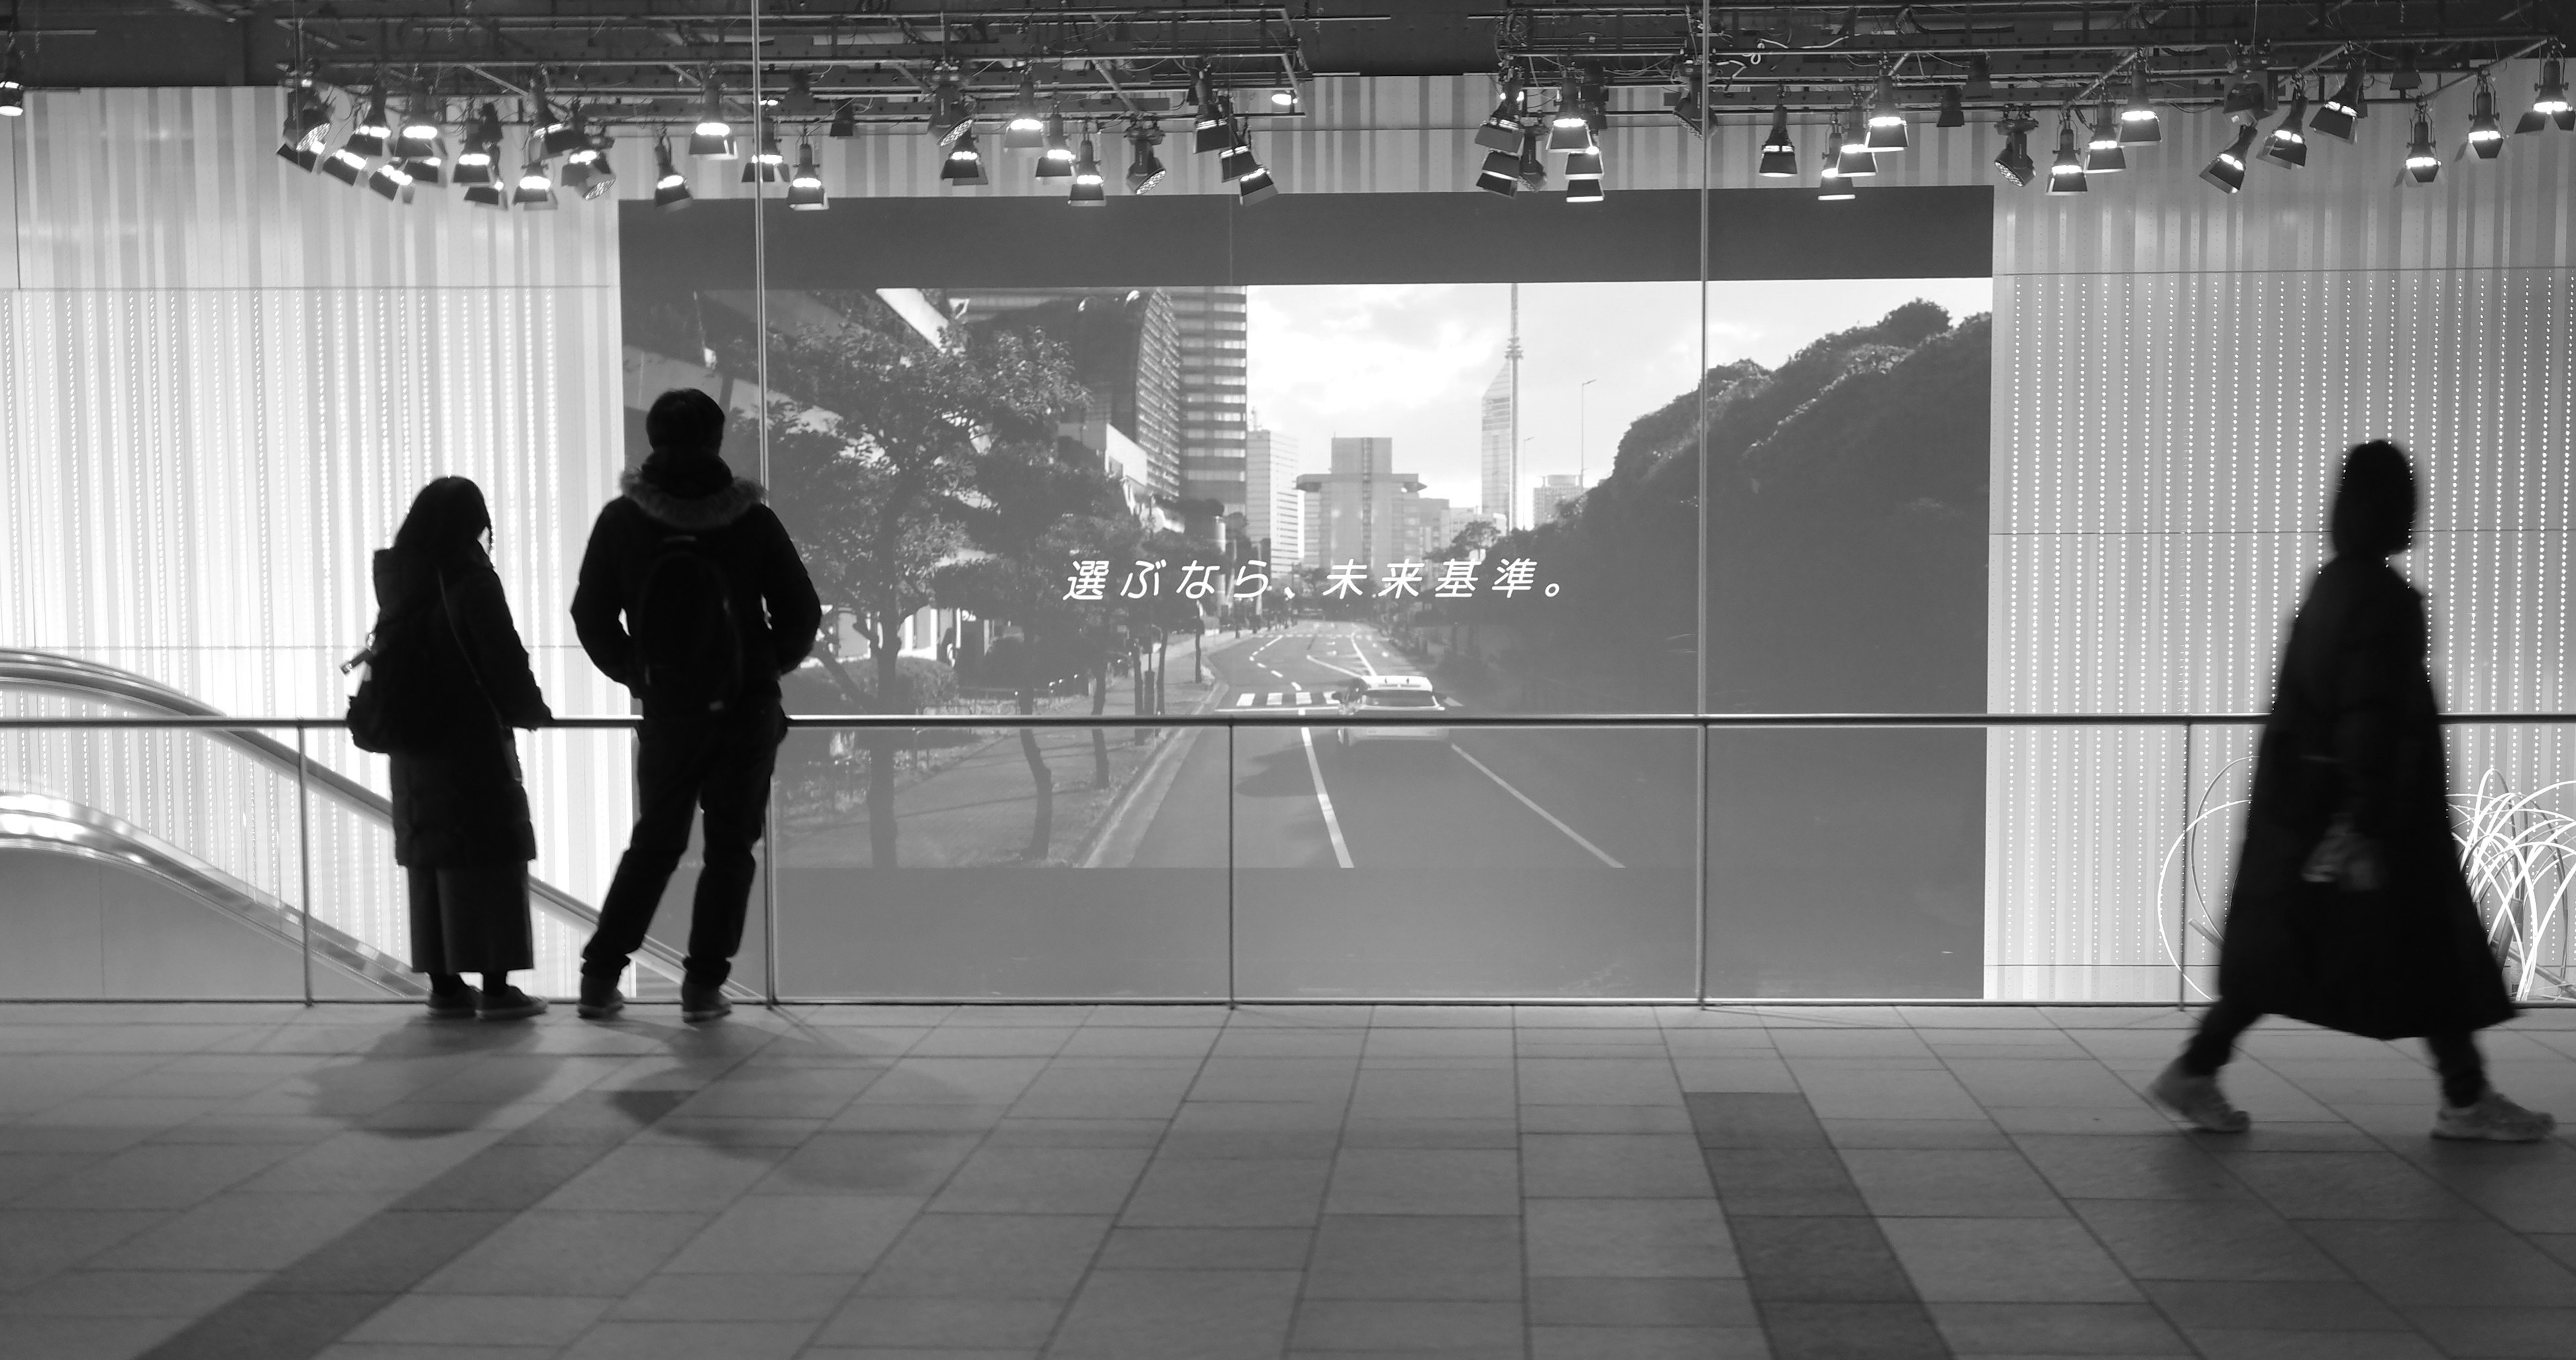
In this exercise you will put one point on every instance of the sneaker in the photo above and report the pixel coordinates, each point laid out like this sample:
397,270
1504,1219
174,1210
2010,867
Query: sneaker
599,1000
2197,1099
700,1004
456,1005
2493,1119
510,1003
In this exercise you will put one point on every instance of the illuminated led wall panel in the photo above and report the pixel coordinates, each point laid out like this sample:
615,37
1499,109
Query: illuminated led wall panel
222,379
2176,373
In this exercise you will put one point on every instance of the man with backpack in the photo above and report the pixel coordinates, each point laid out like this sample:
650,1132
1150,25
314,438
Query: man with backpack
692,596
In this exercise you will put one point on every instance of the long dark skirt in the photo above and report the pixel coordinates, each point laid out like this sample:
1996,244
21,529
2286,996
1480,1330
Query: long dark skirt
471,918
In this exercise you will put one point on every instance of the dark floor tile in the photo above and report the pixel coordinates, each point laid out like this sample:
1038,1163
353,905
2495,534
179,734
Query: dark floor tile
2278,1305
602,1117
2538,1333
387,1254
1916,1133
1754,1120
2126,1166
1819,1259
2057,1329
2446,1262
1791,1181
1590,1301
1852,1331
2204,1240
262,1326
504,1177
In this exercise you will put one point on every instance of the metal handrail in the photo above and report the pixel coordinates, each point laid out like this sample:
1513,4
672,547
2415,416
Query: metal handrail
1258,717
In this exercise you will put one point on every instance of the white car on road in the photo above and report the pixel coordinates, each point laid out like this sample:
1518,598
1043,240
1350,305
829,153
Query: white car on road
1391,694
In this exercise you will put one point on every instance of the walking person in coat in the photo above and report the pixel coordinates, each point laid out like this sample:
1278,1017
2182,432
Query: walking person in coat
460,815
2350,909
692,596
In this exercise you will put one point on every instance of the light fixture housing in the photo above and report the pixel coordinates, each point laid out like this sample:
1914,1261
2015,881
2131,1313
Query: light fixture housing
670,187
1691,105
2549,98
2336,116
1501,173
951,112
2288,144
1501,130
535,193
2423,165
1533,163
2226,170
13,88
1779,154
712,139
1026,131
1088,190
1831,187
476,164
769,164
1056,162
1980,83
391,181
1568,128
416,137
2139,124
307,129
1586,162
2014,162
346,166
2066,172
1254,185
1144,168
964,168
805,187
2102,154
1953,112
1583,188
368,138
2486,134
1213,130
1238,160
845,120
568,136
1886,118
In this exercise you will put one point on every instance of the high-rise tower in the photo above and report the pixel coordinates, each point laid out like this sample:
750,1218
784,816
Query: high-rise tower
1501,443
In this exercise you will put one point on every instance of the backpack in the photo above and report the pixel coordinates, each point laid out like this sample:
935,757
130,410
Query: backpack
688,649
398,706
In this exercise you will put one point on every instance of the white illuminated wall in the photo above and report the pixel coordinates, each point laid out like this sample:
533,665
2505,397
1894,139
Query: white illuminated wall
2176,374
221,381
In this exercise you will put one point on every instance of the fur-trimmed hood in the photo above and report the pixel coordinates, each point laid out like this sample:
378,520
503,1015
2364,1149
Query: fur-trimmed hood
711,510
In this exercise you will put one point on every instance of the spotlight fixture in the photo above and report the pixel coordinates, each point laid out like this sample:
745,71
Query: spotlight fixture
2548,99
2102,154
1056,162
1238,160
1583,175
1568,129
596,175
770,163
488,196
1501,174
1289,98
2139,125
1502,129
2288,144
1855,160
2249,90
713,137
2486,135
346,166
2014,160
1886,118
2406,79
950,110
1831,186
1980,83
2066,172
1779,154
1953,113
805,187
1692,105
2226,170
1088,190
1144,168
1213,130
2422,165
2341,109
1533,162
670,187
535,193
308,129
1254,185
482,149
416,137
964,168
392,182
1026,131
845,120
13,87
427,169
367,139
565,137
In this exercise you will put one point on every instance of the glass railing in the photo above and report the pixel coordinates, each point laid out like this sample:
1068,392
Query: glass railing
1280,851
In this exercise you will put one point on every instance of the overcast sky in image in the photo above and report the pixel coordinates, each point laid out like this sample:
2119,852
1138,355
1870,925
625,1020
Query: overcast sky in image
1411,361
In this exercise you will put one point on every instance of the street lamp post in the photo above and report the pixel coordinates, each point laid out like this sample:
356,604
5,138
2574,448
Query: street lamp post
1582,431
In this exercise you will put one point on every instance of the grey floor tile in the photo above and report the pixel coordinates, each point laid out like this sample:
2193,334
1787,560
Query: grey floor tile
2347,1185
1737,1075
1819,1260
952,1081
1424,1181
1068,1091
869,1164
156,1176
1435,1093
672,1340
1665,1118
1629,1238
992,1041
482,1320
2272,1305
2445,1261
2006,1260
2164,1165
1502,1133
1178,1315
63,1338
1381,1325
1598,1166
2057,1329
592,1254
246,1232
1966,1134
942,1324
1648,1343
1599,1081
991,1256
1941,1182
1275,1079
666,1178
1224,1193
2204,1240
1031,1180
1415,1257
1851,1331
2224,1344
1790,1181
1206,1248
1599,1301
2538,1333
129,1293
732,1298
799,1234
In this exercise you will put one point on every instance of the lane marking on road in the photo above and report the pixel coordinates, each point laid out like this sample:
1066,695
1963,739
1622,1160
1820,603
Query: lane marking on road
1327,665
1274,699
1245,701
1332,825
1571,833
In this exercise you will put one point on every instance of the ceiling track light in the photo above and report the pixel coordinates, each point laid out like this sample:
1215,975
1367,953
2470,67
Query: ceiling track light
475,164
845,120
1501,173
2226,170
1088,191
1533,162
13,85
1855,160
535,193
600,176
2288,144
307,129
805,187
1779,154
1144,168
1254,184
712,139
1953,112
1583,175
2423,166
416,136
2486,132
1831,186
2139,125
1501,130
2249,89
670,187
2336,116
565,137
1886,118
1026,130
367,140
2066,172
2103,154
391,182
1056,162
1691,106
964,168
1980,83
2548,98
1213,129
1568,128
2014,160
951,111
770,163
1238,160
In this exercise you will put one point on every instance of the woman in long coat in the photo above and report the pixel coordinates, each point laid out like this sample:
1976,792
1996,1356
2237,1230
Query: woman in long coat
2350,909
460,815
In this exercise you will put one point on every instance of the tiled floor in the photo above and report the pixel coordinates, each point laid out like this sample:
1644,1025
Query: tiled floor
1125,1183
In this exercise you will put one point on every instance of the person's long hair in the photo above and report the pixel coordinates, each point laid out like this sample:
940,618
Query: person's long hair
2374,504
447,515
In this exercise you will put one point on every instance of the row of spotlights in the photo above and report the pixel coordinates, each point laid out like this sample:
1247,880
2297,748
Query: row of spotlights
2288,144
1516,146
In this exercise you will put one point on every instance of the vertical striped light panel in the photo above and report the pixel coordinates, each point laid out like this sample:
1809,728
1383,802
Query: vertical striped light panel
2176,374
222,380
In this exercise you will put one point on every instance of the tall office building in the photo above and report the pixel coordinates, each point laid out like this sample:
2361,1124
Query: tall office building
1273,507
1209,321
1500,440
1364,510
1553,496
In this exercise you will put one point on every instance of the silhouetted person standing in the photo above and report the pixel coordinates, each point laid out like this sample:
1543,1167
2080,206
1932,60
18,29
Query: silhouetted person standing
2350,909
460,814
692,596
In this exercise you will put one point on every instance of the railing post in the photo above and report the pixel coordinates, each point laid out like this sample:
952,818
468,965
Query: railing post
2182,886
769,896
304,856
1699,836
1230,796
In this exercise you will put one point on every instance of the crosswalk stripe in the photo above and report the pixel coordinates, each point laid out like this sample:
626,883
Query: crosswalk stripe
1275,698
1246,701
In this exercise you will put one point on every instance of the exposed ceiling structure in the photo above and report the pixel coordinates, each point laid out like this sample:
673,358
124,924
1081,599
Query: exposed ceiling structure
908,60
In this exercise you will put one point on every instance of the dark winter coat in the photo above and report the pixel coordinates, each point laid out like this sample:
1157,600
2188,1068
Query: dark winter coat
774,604
2352,733
461,803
